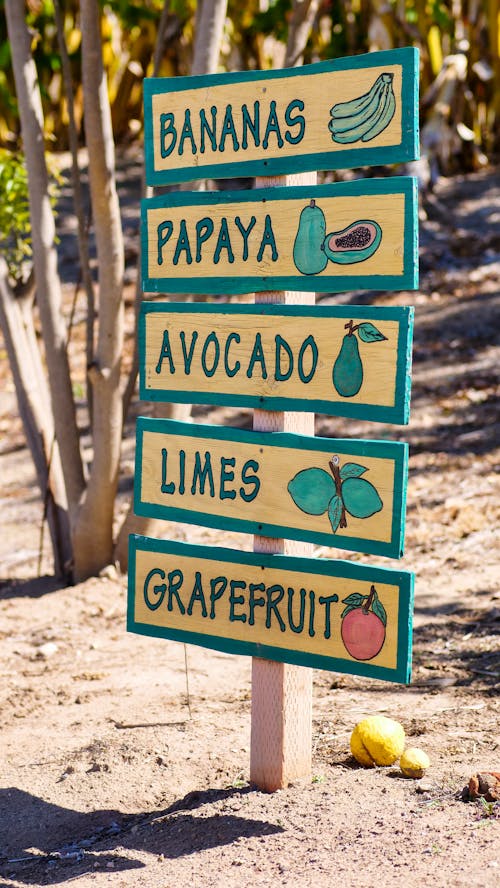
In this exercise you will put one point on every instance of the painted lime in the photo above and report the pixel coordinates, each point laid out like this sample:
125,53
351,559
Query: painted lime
361,499
308,254
347,372
356,243
312,490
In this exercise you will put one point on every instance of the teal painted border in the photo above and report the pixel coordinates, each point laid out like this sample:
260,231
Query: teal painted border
319,566
407,150
408,280
399,413
393,450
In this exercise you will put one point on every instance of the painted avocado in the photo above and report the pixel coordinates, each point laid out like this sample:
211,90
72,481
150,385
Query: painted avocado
308,254
353,244
348,369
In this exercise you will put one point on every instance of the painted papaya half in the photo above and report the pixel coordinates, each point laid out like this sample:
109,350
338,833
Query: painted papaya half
353,244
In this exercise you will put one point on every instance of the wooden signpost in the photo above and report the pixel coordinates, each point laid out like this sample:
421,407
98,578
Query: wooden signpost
290,489
335,615
341,360
325,238
342,113
344,493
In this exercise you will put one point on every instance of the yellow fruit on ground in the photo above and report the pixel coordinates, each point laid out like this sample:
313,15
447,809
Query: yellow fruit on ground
414,762
377,740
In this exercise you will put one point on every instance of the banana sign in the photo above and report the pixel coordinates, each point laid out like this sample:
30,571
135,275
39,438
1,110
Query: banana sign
324,238
329,115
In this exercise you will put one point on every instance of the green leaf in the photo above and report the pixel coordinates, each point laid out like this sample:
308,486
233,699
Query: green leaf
335,509
355,598
379,609
361,498
368,332
352,470
312,490
5,54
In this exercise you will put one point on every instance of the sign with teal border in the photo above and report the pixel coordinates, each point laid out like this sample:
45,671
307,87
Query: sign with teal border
327,614
345,493
340,360
342,113
359,235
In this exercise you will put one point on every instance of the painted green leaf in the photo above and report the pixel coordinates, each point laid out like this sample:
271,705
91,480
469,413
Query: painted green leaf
352,470
369,333
361,498
312,490
335,509
353,601
379,609
355,598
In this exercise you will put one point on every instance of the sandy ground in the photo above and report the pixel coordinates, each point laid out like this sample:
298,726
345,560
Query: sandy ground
121,768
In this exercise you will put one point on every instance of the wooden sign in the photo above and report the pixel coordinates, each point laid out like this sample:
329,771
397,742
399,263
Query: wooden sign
335,615
340,113
341,360
325,238
344,493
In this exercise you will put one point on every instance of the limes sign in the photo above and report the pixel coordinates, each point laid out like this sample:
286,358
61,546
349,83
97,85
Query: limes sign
329,115
325,238
342,360
347,494
328,614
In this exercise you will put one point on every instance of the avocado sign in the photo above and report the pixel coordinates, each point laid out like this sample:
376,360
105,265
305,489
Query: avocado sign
329,115
348,494
326,238
342,360
335,615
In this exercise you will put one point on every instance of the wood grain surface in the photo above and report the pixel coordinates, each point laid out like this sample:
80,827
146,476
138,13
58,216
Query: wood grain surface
276,606
272,122
248,481
236,242
276,357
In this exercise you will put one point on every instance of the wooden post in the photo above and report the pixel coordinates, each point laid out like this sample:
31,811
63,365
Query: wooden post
281,727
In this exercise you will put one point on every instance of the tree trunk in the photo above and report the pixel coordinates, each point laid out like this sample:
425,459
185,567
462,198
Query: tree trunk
33,398
209,30
93,541
304,13
49,295
78,202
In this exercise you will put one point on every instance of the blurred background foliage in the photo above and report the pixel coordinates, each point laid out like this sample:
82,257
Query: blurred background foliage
459,41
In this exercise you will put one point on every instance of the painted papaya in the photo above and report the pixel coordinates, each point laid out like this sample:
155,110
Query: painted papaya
353,244
308,254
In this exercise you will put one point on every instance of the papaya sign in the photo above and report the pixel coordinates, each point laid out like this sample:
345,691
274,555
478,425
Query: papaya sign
324,238
344,493
342,360
340,113
335,615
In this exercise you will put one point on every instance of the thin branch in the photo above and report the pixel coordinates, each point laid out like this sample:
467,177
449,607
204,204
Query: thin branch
83,240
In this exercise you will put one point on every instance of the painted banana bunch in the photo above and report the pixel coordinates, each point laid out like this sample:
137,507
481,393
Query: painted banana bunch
364,118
